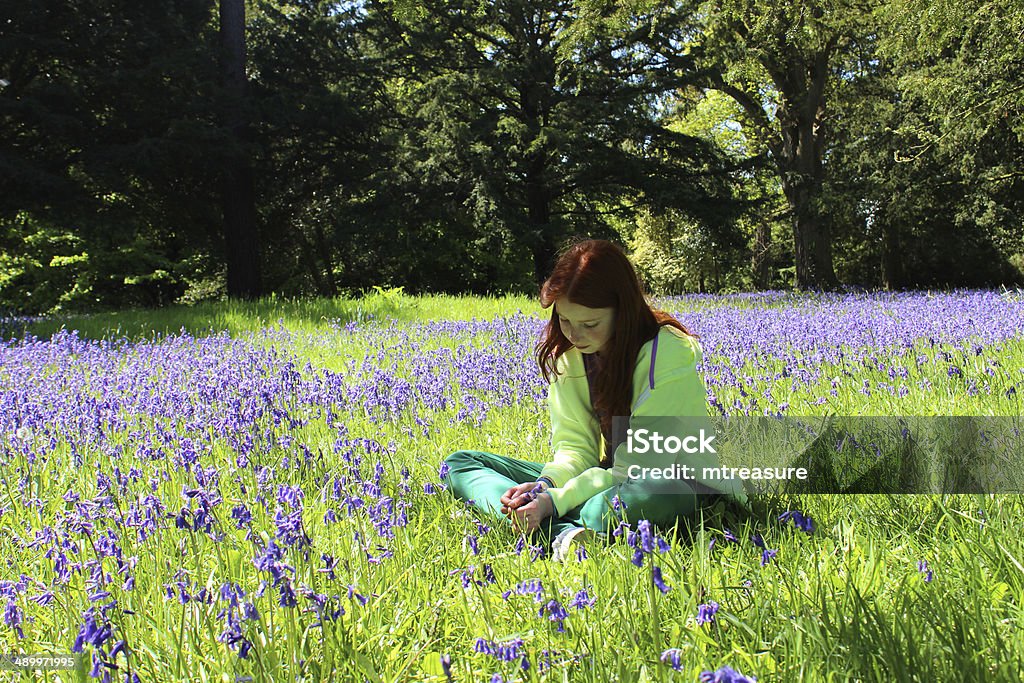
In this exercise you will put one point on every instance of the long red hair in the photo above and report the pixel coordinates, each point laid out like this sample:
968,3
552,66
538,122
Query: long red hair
597,274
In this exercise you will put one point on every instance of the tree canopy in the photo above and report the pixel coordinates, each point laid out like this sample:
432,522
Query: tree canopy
171,152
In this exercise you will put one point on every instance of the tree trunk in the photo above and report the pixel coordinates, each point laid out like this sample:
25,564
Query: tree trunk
540,70
543,243
761,261
799,159
892,264
538,216
812,241
241,235
325,255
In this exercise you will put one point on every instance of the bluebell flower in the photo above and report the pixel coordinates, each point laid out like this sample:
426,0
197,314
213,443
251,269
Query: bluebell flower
97,666
45,598
645,535
241,515
354,595
671,657
531,587
556,613
800,521
658,581
508,651
706,612
582,600
725,674
13,616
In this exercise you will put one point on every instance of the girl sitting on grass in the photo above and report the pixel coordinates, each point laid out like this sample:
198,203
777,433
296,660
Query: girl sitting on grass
604,353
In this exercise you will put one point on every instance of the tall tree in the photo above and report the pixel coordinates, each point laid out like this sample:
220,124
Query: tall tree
924,152
779,61
320,115
103,195
960,63
539,142
241,232
800,47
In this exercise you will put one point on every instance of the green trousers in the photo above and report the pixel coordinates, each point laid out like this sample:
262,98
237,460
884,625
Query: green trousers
481,478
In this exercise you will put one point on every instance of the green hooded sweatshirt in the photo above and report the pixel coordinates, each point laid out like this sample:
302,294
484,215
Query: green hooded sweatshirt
667,385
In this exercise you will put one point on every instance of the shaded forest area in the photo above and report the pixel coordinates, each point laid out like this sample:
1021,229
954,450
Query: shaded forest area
187,150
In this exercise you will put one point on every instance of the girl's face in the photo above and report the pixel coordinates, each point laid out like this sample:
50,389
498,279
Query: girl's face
589,329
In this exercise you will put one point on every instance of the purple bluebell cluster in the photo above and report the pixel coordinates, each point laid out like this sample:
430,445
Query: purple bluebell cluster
508,651
775,353
644,541
552,608
556,613
658,580
725,674
800,520
582,600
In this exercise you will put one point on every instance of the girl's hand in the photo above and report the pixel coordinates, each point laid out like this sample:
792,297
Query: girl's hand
529,516
520,494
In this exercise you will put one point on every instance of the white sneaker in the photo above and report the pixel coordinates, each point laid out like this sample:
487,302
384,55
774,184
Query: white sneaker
561,547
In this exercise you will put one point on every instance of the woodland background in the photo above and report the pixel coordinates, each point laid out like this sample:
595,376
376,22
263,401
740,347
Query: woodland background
191,150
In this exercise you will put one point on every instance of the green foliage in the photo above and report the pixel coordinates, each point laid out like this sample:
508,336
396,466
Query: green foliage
762,226
960,64
513,134
49,269
105,192
899,197
674,256
451,147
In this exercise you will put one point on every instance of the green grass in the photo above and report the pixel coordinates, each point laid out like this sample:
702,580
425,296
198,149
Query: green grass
300,315
847,603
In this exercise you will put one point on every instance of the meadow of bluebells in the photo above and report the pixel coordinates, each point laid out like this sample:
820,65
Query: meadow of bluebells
270,506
